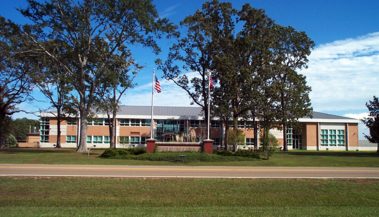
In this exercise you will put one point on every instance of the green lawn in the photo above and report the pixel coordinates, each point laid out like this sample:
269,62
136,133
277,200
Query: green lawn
292,158
187,197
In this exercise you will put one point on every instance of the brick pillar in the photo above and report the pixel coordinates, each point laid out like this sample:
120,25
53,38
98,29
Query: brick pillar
150,145
208,146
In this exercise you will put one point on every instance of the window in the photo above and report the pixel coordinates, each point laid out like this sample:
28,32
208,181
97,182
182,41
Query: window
44,130
135,122
145,122
71,122
289,137
249,124
90,121
332,138
215,124
124,122
341,137
89,139
71,139
241,124
135,140
107,139
98,121
97,139
216,141
324,137
194,123
106,122
249,141
124,139
143,140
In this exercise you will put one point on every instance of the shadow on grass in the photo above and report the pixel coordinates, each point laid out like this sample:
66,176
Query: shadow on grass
47,150
332,153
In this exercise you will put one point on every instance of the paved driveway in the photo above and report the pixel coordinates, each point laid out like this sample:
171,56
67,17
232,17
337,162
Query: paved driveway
186,171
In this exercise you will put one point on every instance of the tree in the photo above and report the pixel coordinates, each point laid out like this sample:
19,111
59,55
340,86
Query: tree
20,128
15,84
93,32
52,81
290,51
372,122
256,38
110,93
194,51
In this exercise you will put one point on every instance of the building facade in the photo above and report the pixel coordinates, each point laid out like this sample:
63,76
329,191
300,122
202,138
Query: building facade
185,125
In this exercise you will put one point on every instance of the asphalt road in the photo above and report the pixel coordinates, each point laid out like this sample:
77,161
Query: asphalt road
187,171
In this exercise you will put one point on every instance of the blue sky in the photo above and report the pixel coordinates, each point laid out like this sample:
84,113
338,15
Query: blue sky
343,69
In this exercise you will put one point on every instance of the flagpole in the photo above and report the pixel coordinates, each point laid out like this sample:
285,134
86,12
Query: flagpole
209,104
152,108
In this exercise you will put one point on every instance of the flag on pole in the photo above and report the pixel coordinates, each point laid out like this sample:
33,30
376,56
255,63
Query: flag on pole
211,82
157,85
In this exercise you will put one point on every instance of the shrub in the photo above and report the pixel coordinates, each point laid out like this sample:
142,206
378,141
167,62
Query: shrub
110,153
122,153
236,137
11,141
268,149
137,151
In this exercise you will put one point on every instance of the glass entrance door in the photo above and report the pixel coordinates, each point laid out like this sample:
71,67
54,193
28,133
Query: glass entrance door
297,141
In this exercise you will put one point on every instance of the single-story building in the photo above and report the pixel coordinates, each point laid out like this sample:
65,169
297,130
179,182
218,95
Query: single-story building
185,124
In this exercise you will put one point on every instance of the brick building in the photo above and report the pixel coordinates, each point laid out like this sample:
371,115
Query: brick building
185,125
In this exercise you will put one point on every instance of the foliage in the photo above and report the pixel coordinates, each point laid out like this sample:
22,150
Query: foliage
269,147
236,137
22,126
372,122
194,50
15,85
290,53
122,153
95,38
11,141
139,154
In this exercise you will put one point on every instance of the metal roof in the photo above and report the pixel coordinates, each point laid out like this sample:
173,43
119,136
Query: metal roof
194,111
160,110
320,115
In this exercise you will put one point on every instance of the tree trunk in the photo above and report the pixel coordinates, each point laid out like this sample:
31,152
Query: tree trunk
285,147
266,144
378,149
255,126
110,129
235,129
114,124
226,135
59,115
206,119
83,132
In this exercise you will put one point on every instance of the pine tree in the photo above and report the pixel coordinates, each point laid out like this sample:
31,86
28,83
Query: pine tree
372,122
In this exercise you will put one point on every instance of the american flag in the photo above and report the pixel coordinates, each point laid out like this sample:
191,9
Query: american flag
157,85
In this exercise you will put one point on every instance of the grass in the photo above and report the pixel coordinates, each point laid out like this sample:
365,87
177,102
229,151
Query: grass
187,197
292,158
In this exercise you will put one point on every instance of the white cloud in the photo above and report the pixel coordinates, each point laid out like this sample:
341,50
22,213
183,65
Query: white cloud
362,129
169,11
358,116
344,74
